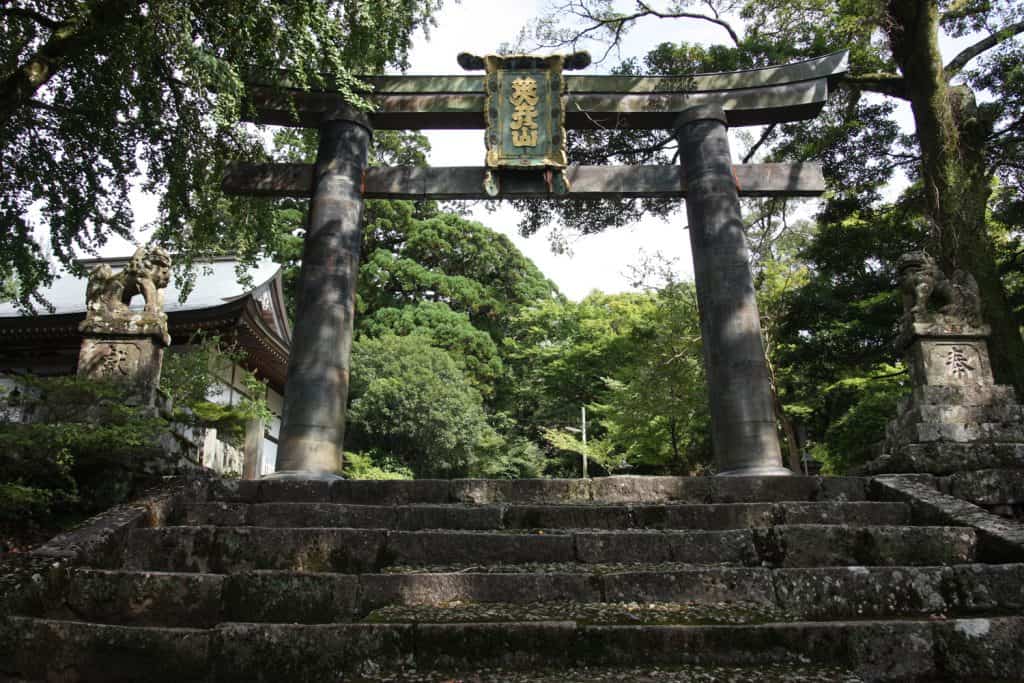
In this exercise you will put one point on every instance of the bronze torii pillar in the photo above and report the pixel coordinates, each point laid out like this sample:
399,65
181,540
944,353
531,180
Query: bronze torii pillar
743,430
313,423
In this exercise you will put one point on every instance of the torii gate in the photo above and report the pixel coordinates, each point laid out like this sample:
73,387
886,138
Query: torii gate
524,101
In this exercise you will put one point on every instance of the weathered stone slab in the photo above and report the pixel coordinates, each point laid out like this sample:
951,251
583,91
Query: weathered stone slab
295,491
321,515
981,649
271,653
946,458
962,432
415,517
234,490
997,587
859,592
568,517
987,487
764,489
143,598
482,491
227,549
287,597
510,645
215,514
177,549
881,650
862,513
995,412
694,547
379,590
815,545
967,395
999,540
390,492
633,489
623,546
439,547
79,651
702,586
708,517
302,550
842,488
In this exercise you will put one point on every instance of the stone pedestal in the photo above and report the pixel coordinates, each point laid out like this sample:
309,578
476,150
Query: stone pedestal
127,351
956,417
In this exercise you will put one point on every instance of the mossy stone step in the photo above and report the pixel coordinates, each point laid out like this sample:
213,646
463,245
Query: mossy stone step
780,673
229,549
204,600
982,649
607,490
413,517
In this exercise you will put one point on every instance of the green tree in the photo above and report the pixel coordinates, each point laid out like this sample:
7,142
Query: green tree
98,94
412,404
655,409
959,145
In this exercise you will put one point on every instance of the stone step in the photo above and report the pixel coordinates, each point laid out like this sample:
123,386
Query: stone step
204,600
619,489
229,549
413,517
955,649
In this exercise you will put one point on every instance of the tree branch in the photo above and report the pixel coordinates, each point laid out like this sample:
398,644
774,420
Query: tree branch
887,84
649,11
757,145
31,14
957,64
68,40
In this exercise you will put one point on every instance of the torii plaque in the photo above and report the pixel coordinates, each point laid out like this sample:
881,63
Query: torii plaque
697,108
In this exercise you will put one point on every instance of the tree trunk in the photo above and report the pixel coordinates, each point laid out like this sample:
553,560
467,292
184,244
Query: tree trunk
957,184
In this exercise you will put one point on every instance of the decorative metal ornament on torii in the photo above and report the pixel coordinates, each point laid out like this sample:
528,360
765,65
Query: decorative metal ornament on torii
525,103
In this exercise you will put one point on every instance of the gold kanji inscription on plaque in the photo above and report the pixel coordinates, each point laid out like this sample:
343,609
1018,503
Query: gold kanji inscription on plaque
524,119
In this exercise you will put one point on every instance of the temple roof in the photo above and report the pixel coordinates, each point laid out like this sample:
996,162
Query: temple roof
249,311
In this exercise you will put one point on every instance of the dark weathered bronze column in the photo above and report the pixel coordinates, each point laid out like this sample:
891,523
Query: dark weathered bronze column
313,420
739,392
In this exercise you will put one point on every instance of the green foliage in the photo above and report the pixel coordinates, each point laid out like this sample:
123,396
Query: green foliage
446,259
363,466
634,360
865,405
189,376
472,348
86,451
119,88
411,401
21,504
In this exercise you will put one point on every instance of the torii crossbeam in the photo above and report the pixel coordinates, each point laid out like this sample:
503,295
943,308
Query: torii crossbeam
519,92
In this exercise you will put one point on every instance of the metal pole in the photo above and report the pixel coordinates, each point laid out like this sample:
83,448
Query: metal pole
583,410
313,420
743,429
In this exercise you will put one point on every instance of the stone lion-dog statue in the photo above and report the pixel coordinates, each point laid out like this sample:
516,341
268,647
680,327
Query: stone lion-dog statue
929,296
109,295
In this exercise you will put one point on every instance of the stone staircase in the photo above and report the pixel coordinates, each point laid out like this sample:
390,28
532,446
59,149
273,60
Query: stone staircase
624,578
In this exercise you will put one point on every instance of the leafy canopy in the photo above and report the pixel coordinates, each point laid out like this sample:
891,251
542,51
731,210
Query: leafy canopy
99,95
